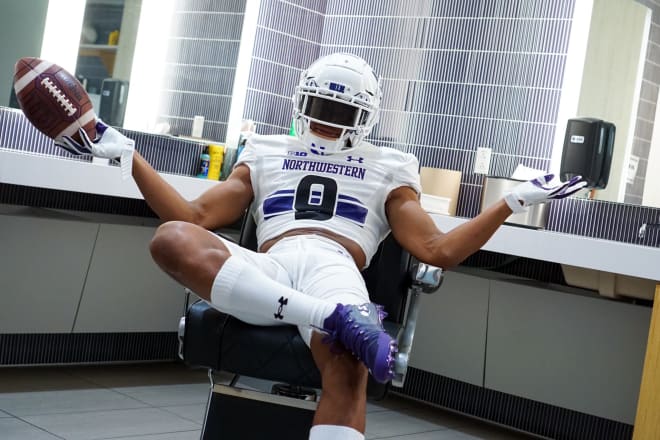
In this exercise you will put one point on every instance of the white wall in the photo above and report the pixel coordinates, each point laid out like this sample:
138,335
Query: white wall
651,196
612,78
24,20
129,29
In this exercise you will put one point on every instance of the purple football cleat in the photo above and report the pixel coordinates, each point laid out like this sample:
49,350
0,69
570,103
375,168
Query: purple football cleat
359,328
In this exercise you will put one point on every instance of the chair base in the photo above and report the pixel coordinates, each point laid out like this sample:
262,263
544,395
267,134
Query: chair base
283,389
235,413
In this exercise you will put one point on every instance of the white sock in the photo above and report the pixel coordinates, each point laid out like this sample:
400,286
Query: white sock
333,432
239,289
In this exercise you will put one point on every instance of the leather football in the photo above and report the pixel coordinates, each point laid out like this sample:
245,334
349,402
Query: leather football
53,100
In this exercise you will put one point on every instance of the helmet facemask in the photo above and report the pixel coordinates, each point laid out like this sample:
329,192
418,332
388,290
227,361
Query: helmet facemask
339,91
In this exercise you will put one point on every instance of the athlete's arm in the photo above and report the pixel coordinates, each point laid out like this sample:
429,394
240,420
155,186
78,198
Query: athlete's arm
219,206
416,231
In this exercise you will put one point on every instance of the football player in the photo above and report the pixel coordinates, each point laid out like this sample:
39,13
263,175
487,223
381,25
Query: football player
322,201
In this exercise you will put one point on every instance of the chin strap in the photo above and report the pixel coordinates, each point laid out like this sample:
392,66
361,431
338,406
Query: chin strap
325,147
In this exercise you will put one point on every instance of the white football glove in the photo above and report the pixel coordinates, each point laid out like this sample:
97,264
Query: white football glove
540,190
109,144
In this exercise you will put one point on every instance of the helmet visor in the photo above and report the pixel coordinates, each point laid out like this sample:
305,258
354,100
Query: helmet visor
331,111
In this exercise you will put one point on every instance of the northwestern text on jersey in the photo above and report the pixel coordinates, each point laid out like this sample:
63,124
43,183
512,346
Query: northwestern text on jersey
323,167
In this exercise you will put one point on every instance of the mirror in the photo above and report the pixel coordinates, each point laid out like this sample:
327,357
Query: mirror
148,65
105,55
635,120
97,44
619,84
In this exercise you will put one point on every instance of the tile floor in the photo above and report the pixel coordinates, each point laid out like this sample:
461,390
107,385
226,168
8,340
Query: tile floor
167,401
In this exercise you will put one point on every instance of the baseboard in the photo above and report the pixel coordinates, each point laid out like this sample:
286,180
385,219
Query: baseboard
516,412
81,348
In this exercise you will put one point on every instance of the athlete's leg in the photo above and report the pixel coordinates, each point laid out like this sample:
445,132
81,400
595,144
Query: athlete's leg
342,408
258,289
188,254
237,281
329,273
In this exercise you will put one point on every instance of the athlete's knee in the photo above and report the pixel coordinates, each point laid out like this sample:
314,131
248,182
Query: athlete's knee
178,246
169,237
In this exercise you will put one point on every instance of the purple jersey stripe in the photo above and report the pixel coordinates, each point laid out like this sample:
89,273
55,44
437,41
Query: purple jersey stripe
277,205
352,212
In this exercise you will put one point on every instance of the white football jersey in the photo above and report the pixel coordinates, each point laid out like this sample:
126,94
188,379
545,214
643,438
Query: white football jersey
344,193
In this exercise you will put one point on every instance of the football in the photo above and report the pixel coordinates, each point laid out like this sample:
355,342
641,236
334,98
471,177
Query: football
53,100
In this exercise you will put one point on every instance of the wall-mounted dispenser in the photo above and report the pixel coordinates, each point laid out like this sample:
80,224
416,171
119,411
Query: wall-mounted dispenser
588,148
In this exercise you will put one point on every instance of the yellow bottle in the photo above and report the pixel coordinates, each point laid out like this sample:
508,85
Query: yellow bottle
113,38
216,153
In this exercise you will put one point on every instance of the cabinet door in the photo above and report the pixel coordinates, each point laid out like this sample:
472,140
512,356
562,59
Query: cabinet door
43,263
125,291
450,338
578,352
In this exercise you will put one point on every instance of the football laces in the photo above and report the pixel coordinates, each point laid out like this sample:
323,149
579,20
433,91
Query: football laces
59,96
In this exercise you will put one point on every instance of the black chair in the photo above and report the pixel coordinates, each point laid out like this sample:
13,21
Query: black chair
221,343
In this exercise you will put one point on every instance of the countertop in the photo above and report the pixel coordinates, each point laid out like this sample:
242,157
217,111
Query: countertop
591,253
27,169
70,175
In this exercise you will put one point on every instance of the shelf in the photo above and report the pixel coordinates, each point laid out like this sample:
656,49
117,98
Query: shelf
99,47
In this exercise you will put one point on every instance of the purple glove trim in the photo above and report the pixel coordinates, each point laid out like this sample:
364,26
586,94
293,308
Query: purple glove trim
101,127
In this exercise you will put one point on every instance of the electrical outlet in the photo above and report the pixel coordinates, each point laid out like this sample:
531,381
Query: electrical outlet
482,160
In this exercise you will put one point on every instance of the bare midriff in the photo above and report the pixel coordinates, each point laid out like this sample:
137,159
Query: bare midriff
352,247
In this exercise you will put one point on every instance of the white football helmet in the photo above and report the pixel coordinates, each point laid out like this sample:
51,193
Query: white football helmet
339,90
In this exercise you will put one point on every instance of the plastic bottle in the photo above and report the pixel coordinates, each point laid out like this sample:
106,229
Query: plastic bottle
216,152
204,161
113,38
228,162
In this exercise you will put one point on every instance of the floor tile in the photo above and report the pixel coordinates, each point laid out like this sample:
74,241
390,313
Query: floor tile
384,424
449,425
15,429
390,403
167,401
139,374
194,413
110,424
436,416
431,435
450,434
476,430
183,435
67,401
169,395
25,379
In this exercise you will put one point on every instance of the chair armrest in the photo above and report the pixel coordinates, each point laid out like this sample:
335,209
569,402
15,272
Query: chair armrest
425,279
200,335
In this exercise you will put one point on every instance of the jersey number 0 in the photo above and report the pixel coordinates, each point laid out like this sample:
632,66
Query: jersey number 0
316,197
